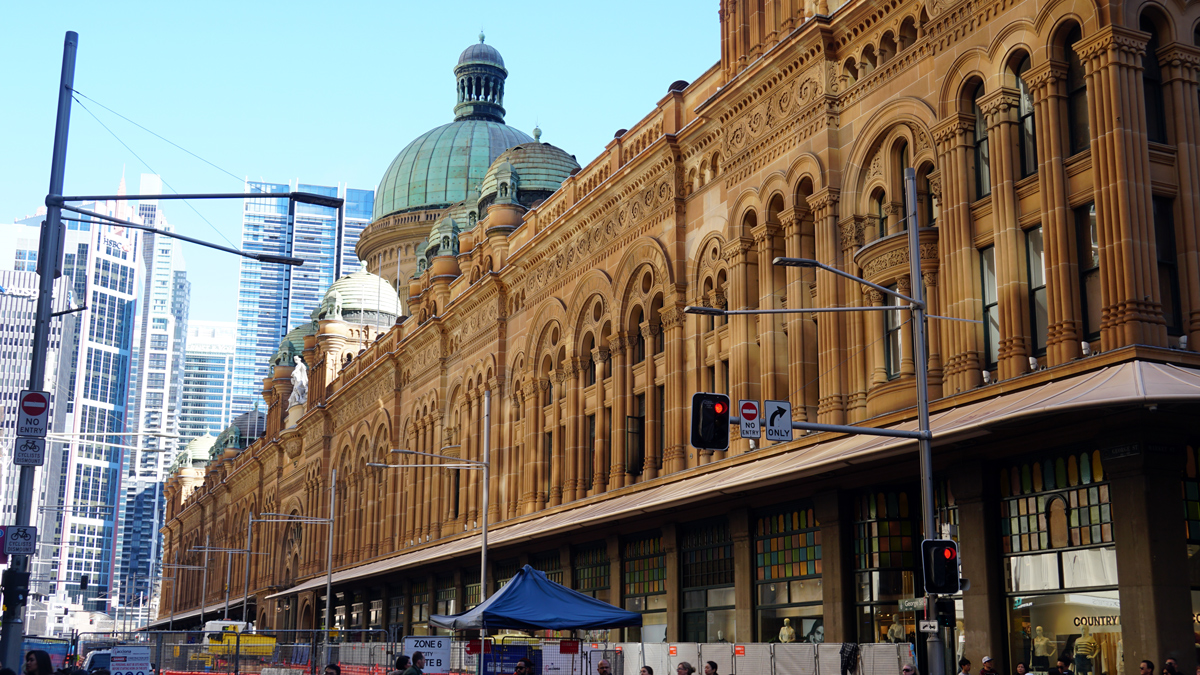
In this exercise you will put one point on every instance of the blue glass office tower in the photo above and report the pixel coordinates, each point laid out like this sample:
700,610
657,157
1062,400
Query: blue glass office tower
272,298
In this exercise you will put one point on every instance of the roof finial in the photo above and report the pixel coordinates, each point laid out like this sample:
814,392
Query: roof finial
537,134
480,36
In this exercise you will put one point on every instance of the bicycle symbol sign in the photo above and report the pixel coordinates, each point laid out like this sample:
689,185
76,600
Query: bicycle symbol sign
29,451
18,540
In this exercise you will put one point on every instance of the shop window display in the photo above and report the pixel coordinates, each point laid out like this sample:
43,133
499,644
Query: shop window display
787,553
1060,564
644,568
706,556
884,539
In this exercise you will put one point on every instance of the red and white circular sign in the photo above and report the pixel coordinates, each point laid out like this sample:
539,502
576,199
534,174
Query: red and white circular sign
749,411
34,404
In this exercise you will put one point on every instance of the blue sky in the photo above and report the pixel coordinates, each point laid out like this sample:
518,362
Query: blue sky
320,92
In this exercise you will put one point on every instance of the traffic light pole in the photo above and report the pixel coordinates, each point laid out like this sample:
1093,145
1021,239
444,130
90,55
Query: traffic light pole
935,652
48,257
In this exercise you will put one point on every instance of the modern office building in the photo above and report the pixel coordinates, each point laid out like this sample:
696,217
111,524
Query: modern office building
154,399
272,298
207,400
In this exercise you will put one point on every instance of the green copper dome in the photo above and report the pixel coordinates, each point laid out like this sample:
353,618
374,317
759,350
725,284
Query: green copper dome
537,167
361,298
440,166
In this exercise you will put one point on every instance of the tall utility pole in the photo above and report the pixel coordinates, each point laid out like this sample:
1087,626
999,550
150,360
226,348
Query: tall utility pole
49,267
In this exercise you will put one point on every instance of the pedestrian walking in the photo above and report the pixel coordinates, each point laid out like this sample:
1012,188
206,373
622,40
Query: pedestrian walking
37,662
710,668
685,668
418,665
964,666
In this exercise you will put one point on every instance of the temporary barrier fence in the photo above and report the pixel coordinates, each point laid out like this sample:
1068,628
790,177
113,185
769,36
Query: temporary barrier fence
570,657
265,652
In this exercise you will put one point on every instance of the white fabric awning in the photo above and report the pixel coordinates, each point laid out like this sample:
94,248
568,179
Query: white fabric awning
214,611
1126,384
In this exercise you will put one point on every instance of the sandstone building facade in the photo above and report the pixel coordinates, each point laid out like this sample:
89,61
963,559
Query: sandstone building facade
1057,151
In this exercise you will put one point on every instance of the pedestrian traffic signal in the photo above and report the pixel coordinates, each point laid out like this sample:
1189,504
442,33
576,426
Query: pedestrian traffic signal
939,558
710,421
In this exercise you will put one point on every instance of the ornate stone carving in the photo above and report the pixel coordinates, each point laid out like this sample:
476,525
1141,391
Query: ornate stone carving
853,232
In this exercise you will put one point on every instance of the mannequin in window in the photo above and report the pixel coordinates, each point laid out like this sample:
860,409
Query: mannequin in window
1086,649
787,633
1043,649
895,633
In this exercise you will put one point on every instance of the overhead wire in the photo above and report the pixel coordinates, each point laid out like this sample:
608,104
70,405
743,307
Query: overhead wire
75,96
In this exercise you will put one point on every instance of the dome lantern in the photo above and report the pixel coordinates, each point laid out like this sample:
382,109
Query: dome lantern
480,75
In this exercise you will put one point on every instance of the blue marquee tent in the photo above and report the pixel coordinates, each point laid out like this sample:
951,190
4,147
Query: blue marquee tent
530,601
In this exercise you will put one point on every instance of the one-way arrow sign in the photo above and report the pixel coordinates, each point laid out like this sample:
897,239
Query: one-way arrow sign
778,420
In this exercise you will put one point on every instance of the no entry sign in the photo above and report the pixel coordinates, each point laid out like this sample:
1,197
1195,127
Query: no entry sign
751,425
33,411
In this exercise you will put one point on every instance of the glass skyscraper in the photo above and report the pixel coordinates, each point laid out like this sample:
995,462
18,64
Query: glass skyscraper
207,379
273,299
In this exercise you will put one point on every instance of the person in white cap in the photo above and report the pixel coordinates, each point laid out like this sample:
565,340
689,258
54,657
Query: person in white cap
989,666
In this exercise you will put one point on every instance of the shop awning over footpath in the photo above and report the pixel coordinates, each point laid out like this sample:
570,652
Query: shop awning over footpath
212,612
1134,383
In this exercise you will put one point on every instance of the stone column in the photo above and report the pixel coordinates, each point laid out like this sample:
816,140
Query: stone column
670,546
875,336
471,449
497,397
1181,72
1000,108
796,287
1047,86
675,446
575,424
600,357
1132,313
744,354
852,235
652,443
423,491
907,364
437,476
835,515
557,455
1152,561
527,467
976,495
618,345
772,343
959,263
933,337
831,403
740,530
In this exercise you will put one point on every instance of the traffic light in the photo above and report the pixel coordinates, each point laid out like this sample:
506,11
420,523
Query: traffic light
83,582
710,421
16,590
939,558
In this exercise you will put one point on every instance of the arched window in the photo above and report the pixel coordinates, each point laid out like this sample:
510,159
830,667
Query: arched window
905,163
1079,131
983,170
881,214
931,209
1027,138
1152,86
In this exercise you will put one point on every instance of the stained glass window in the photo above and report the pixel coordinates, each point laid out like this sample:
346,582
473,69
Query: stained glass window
1191,495
787,544
1058,502
591,568
883,531
706,552
550,563
644,566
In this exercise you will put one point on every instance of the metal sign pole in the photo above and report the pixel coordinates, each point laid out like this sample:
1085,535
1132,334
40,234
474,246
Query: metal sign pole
49,254
933,642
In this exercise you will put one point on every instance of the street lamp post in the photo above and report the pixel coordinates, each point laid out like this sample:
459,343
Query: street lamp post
924,434
50,257
483,465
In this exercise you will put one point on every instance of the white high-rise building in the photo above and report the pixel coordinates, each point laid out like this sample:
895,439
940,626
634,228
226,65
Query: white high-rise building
155,386
100,518
207,405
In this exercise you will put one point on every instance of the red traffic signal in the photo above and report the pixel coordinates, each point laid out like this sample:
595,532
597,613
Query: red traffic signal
939,563
710,421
